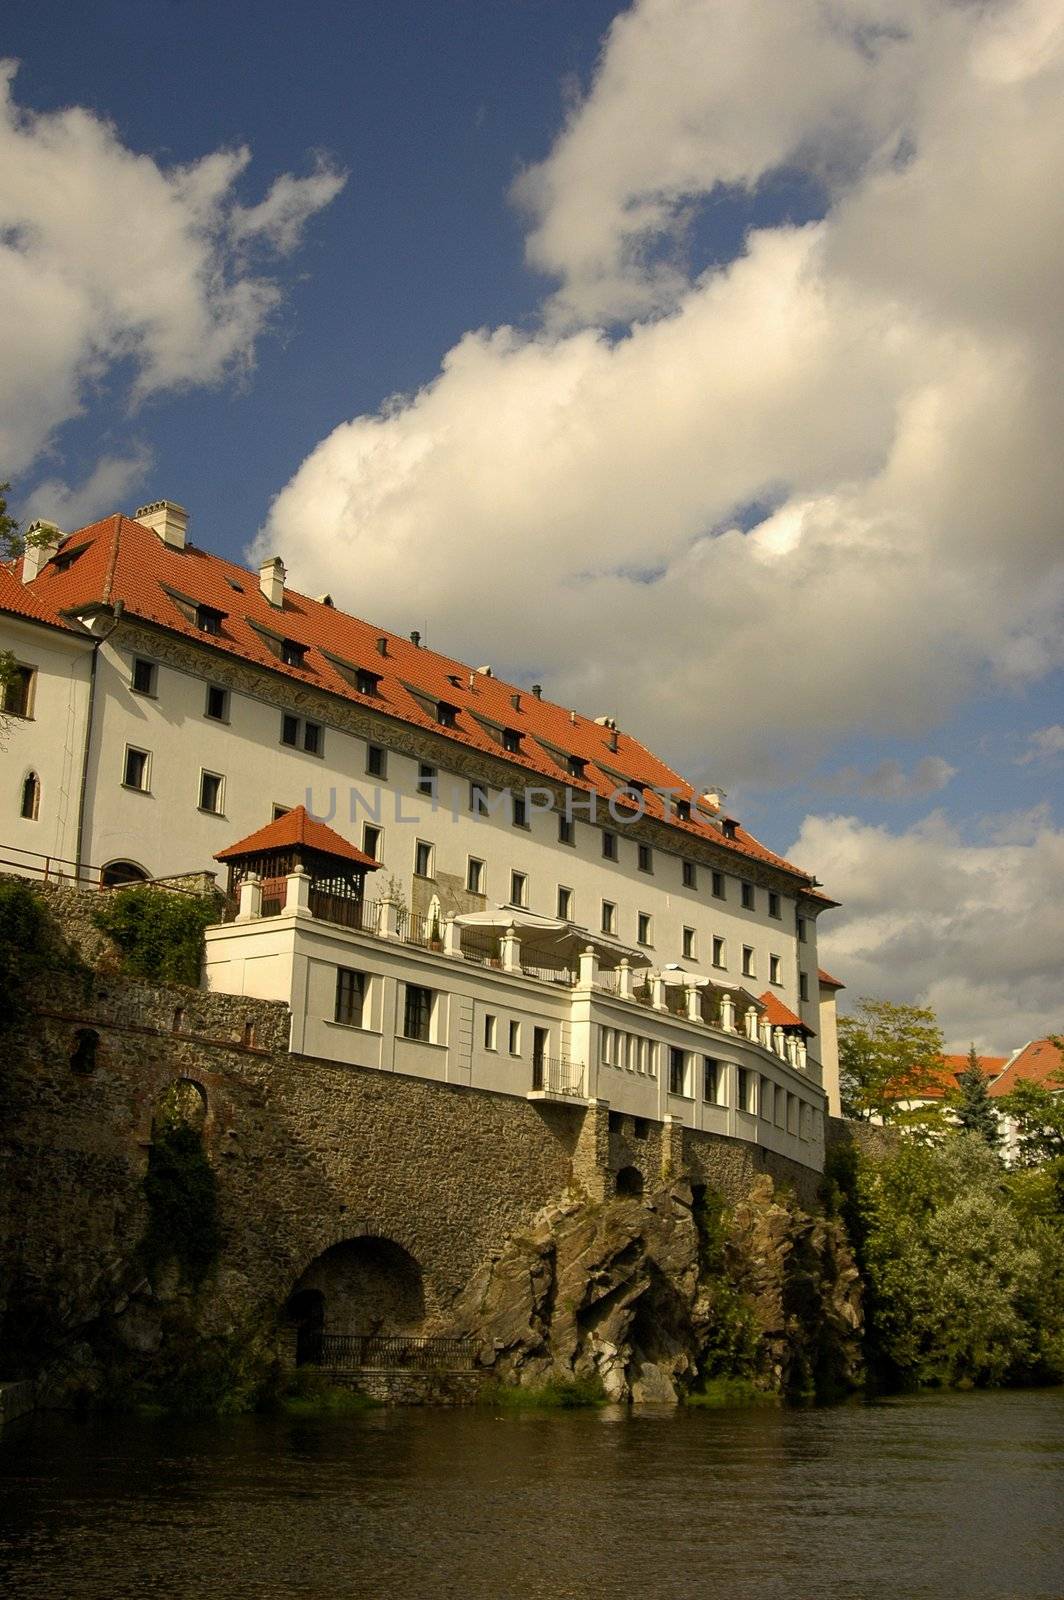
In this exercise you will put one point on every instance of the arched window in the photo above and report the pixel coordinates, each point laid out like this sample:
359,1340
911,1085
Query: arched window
83,1055
31,797
117,873
629,1182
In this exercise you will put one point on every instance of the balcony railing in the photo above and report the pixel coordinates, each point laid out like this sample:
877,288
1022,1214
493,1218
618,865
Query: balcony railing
557,1075
378,1352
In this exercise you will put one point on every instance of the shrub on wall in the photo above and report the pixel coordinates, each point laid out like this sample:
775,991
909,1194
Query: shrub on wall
29,949
160,934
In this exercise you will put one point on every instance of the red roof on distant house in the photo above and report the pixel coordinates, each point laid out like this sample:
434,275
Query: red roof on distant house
942,1079
826,981
1038,1062
121,559
24,603
782,1016
297,828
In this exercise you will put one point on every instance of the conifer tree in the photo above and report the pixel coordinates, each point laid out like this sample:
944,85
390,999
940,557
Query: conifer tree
972,1107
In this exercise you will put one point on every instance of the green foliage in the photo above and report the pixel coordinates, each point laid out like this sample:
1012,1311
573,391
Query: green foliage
30,949
11,544
160,933
308,1393
182,1194
1038,1111
887,1053
730,1342
555,1394
718,1394
965,1279
971,1106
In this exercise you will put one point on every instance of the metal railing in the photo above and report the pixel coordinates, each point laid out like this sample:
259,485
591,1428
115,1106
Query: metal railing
557,1075
392,1352
43,868
550,970
344,910
481,945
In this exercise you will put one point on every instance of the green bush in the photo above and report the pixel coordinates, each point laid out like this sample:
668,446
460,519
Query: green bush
159,933
555,1394
182,1195
29,948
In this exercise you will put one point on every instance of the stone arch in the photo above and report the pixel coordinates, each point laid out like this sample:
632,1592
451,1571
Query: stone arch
30,799
185,1102
629,1183
367,1284
116,874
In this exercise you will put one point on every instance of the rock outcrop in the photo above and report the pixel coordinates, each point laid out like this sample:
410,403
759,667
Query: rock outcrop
636,1294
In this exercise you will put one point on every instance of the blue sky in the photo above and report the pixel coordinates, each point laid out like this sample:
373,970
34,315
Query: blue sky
725,288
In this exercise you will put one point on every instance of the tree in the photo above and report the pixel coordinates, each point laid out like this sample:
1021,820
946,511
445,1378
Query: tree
971,1105
887,1053
1037,1109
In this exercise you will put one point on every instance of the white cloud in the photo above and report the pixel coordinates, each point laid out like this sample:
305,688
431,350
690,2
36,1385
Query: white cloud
1044,744
888,780
973,930
887,379
110,484
107,257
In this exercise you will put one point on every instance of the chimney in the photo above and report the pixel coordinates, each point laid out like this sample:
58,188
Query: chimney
166,519
515,701
38,555
382,645
415,639
537,690
485,672
271,581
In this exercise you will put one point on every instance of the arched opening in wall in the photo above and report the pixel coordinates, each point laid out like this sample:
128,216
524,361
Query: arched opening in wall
183,1105
30,804
117,874
306,1312
365,1286
83,1055
629,1183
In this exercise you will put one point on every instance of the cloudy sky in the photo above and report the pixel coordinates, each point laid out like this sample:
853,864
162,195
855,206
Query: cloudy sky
700,360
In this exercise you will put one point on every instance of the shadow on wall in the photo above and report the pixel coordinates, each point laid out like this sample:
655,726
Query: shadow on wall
360,1286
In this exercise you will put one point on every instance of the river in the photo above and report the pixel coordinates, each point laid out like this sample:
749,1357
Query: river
947,1496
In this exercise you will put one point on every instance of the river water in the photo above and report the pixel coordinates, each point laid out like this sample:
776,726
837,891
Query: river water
953,1496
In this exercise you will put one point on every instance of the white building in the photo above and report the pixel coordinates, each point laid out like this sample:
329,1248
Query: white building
170,703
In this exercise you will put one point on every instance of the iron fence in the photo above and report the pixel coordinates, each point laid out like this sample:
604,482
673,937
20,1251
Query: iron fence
395,1352
557,1075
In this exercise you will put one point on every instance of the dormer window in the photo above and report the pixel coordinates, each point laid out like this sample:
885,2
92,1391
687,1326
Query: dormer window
367,682
683,810
65,559
577,766
446,714
511,741
209,620
293,654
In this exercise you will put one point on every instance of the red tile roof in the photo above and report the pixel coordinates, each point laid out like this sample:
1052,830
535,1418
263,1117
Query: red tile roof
1038,1062
782,1016
24,603
297,828
120,559
826,981
942,1079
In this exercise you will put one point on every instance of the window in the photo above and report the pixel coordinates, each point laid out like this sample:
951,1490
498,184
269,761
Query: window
417,1013
367,682
300,731
515,1038
16,693
720,953
31,797
773,904
478,800
136,772
690,875
646,858
376,761
293,654
422,859
748,962
747,1080
683,810
217,703
677,1070
609,845
774,969
211,792
279,811
427,778
142,680
491,1031
747,895
643,928
577,766
718,886
446,714
801,930
565,903
518,889
350,996
566,829
689,944
208,620
474,878
371,840
712,1078
609,917
803,986
518,811
511,740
